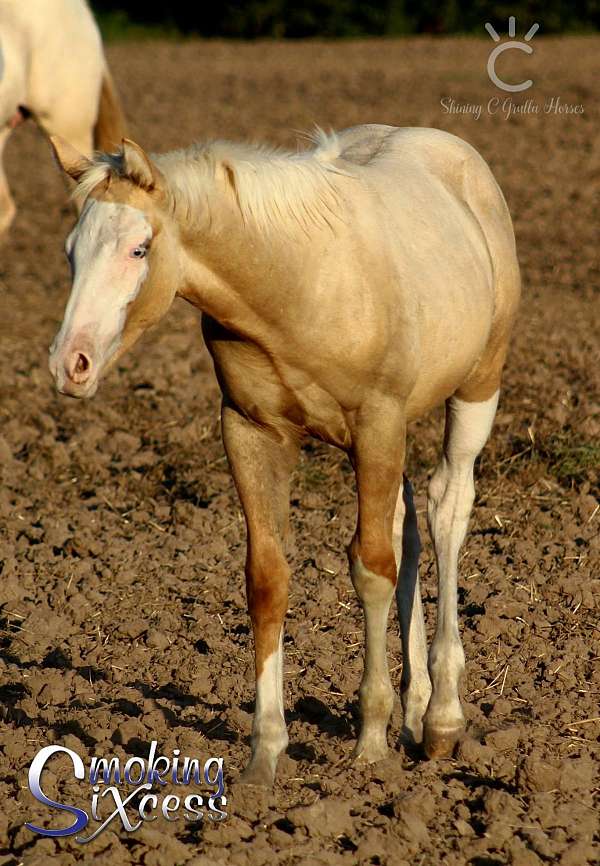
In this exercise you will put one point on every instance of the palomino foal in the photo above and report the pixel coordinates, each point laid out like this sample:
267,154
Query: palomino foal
345,291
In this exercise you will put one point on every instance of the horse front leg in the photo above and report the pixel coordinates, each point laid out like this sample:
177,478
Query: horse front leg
378,457
261,462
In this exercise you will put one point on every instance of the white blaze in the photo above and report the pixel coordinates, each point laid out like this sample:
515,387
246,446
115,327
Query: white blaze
106,279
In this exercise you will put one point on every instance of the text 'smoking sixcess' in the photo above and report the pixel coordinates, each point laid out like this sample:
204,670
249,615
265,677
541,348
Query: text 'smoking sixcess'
142,799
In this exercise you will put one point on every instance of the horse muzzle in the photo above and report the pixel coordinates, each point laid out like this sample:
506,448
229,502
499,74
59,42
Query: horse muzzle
74,371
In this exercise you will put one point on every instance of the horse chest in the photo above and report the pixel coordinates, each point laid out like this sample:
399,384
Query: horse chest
272,392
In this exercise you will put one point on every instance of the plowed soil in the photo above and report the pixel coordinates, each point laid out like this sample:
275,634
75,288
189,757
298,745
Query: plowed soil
123,616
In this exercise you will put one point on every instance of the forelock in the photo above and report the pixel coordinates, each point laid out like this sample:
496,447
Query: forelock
103,167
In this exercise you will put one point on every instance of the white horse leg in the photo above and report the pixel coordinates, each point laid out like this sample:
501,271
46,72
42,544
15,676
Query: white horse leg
269,734
7,205
416,685
451,496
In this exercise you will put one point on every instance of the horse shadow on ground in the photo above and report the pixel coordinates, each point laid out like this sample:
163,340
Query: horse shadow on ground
206,723
213,728
209,719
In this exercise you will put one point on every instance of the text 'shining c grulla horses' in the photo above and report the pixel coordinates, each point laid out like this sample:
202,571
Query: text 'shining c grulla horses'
52,68
345,291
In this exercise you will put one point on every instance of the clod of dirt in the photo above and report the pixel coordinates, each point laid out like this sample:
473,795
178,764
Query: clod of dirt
325,817
534,774
5,452
521,855
157,639
504,740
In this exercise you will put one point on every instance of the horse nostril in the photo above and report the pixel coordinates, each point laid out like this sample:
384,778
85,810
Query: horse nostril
82,364
79,367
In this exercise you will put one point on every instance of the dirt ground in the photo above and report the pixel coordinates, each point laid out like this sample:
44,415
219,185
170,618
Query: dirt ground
123,614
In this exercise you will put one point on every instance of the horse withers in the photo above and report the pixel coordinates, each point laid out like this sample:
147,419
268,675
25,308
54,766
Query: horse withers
52,68
345,291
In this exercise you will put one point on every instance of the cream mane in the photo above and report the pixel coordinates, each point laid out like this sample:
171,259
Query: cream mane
273,187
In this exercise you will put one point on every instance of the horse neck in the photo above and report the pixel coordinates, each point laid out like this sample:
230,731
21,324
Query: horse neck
240,276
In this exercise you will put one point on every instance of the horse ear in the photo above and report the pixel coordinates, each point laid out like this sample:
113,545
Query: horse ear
138,167
69,159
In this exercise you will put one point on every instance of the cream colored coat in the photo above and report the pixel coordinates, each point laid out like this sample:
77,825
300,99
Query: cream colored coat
344,291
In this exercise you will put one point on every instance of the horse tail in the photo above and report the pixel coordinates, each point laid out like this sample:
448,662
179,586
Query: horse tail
110,125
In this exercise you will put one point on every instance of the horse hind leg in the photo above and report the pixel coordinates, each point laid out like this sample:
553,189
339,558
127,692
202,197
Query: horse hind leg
415,683
7,204
451,497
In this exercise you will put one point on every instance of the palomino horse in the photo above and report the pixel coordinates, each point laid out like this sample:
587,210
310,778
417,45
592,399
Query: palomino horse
52,67
345,291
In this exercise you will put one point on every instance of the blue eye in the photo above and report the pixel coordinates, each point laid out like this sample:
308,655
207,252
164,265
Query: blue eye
138,252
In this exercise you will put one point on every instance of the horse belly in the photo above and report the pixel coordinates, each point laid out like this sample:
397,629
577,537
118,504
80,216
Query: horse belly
452,278
452,342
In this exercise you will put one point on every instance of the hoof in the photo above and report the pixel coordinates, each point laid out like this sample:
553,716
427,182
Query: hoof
411,737
258,772
415,700
441,742
369,753
412,729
